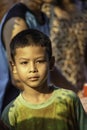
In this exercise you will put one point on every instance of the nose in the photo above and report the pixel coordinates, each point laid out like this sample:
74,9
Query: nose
32,68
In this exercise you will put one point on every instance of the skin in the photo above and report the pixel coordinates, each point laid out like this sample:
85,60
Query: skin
33,69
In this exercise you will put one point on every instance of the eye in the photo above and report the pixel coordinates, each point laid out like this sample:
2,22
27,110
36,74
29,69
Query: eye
24,62
41,61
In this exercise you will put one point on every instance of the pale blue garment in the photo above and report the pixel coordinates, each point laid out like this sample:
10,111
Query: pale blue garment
32,23
4,71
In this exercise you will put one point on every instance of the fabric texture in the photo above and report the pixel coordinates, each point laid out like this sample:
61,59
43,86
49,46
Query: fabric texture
62,111
69,37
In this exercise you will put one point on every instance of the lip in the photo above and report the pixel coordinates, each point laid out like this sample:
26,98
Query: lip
34,78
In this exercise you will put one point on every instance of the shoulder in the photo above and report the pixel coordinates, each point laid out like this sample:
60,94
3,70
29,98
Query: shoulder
17,10
11,107
14,19
67,95
67,98
10,111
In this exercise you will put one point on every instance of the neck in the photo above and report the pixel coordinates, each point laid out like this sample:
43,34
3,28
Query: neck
37,95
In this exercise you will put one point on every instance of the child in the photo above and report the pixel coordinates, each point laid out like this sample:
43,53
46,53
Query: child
40,106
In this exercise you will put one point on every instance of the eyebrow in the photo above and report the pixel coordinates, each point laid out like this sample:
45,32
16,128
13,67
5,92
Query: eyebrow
24,58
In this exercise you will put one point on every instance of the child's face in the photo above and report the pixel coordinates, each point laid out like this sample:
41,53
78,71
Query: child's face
32,65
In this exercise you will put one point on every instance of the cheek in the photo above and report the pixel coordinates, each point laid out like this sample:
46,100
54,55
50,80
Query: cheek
44,69
21,71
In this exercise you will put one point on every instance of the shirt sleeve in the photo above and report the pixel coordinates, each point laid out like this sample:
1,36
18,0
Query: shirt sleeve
81,115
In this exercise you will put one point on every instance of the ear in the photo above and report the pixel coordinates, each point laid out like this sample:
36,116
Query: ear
13,67
52,62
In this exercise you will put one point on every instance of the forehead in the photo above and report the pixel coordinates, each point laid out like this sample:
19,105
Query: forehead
31,53
31,50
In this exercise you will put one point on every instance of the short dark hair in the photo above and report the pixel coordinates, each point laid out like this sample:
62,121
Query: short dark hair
30,37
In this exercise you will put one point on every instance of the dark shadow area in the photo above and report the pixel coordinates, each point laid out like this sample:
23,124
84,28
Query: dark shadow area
46,124
10,94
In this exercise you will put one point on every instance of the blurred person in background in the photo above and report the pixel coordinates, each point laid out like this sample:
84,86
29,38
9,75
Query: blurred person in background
69,36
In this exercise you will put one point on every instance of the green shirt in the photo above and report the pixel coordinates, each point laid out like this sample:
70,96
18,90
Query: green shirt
62,111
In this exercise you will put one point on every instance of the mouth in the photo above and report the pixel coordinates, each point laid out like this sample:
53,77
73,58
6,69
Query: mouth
35,78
